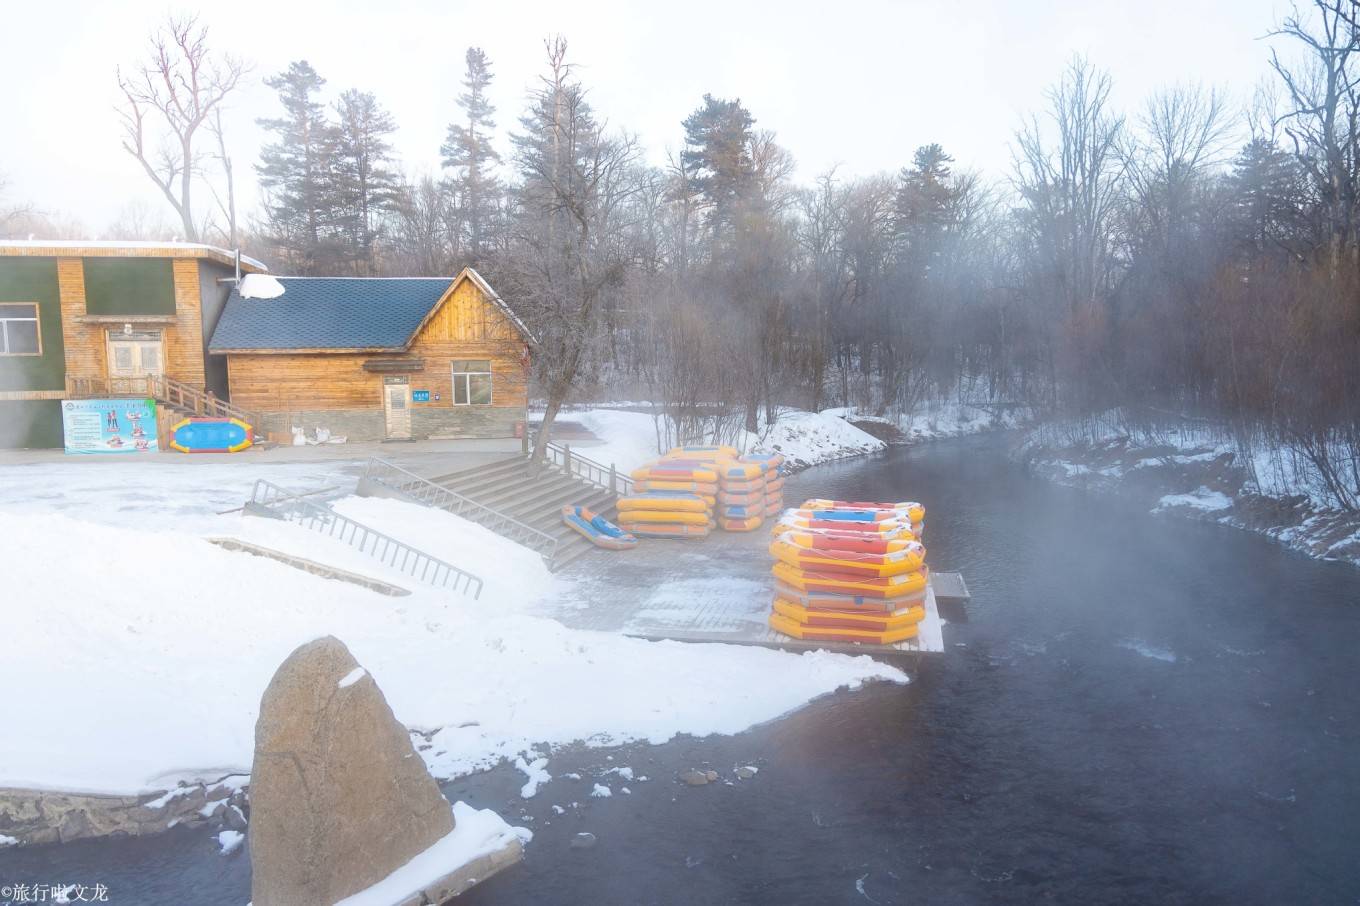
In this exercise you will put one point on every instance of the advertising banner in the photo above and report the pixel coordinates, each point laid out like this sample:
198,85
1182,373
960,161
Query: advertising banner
109,426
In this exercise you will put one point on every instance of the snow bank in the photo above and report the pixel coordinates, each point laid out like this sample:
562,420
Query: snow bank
1200,499
154,646
628,439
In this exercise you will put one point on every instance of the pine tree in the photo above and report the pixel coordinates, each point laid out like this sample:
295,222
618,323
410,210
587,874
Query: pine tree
717,155
469,154
367,187
296,170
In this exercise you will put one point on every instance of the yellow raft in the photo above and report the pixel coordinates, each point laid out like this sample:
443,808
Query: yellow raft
702,452
790,627
873,622
664,529
664,502
866,586
702,488
678,517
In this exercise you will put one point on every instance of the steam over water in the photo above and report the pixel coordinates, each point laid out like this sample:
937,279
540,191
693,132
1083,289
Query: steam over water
1139,710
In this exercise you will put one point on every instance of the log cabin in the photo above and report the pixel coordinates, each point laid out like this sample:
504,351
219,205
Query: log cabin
376,358
90,318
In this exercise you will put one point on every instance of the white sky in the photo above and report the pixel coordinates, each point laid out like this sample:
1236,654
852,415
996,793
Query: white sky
856,83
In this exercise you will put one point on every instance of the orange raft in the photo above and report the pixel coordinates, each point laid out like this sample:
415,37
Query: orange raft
909,509
791,627
803,520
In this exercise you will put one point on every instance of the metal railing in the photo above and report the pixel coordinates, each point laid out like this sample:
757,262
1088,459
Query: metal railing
421,490
270,499
184,397
574,465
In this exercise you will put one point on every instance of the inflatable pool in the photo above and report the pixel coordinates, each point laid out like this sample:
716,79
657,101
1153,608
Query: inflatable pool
780,623
597,529
874,622
663,501
883,587
211,435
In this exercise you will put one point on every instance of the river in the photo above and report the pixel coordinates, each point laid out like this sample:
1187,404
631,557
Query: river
1138,709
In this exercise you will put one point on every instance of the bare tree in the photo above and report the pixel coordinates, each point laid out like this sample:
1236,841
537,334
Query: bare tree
176,92
1323,116
572,238
11,213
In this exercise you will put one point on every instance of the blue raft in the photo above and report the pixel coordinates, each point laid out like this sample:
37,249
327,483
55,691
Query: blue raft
597,529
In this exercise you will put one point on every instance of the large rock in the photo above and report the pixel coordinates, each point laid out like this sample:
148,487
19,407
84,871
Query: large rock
339,799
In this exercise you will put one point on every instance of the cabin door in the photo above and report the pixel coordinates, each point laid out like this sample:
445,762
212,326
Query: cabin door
397,407
133,356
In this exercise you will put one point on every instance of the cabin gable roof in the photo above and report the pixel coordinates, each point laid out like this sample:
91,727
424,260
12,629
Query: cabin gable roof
337,314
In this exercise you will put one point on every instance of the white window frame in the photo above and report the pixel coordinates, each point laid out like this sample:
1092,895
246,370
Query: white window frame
4,329
464,377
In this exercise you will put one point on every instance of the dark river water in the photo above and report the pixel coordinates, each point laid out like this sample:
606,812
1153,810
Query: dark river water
1138,710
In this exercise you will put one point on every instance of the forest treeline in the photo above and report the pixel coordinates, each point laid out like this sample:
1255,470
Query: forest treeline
1196,255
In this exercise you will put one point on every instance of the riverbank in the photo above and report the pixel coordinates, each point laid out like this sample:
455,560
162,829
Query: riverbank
166,641
1194,471
627,437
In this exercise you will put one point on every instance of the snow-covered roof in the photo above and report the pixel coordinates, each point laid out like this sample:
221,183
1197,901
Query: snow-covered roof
126,247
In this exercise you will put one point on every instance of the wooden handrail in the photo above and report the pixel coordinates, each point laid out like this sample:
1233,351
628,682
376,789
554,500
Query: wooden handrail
162,389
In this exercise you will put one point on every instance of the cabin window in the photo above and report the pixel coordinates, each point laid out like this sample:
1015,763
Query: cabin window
19,329
472,382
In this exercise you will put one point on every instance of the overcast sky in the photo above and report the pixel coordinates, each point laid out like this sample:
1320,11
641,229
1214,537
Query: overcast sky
852,83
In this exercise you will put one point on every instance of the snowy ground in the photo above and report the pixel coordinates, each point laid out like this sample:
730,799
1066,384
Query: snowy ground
143,650
1197,470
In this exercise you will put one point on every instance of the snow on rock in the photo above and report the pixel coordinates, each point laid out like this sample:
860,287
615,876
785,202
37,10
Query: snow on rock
601,791
1201,499
180,637
349,679
8,841
477,833
260,286
534,771
229,841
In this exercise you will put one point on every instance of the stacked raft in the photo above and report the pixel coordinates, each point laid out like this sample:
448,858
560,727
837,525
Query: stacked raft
849,571
749,488
672,498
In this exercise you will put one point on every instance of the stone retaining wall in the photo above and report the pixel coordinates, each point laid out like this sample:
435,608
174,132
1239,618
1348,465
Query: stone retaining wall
38,816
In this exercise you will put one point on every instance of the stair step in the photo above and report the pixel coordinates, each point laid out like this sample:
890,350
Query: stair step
513,495
511,459
488,475
549,501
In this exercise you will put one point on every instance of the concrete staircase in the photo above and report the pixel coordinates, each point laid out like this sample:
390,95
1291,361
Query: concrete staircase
512,498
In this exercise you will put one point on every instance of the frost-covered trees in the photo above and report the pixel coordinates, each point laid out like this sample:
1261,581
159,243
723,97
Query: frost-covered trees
471,158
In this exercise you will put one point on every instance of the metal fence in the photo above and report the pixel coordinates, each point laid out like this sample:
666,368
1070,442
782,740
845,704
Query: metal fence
271,500
421,490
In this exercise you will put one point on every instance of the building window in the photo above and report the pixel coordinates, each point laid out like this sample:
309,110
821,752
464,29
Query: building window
19,329
472,382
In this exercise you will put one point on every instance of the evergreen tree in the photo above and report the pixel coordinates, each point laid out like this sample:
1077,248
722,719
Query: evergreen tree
296,170
469,154
1270,199
366,186
717,157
